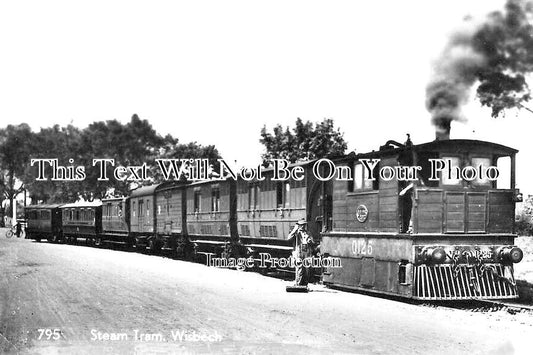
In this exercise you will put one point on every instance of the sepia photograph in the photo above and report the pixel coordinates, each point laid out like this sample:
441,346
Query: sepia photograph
266,177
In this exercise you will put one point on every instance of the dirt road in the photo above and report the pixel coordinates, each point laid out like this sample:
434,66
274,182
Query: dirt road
74,299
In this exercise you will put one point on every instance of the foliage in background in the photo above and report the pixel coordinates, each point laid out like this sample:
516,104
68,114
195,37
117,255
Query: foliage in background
15,151
506,42
304,141
524,221
130,144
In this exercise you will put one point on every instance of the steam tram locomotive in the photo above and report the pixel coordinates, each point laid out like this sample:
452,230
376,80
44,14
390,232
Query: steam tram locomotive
397,231
445,239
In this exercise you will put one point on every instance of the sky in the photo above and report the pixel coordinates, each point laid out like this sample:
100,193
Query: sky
216,72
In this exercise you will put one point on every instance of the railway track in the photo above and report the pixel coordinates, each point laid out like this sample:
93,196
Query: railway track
484,306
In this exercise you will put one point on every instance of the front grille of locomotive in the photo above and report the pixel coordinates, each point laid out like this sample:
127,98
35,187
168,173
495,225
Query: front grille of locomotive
463,272
460,282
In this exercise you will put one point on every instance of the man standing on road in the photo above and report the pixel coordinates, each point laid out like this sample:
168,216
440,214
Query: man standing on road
303,244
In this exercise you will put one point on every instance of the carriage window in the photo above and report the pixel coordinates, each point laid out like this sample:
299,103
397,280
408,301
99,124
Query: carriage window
485,163
158,209
119,210
197,200
257,196
504,168
141,209
283,190
287,194
279,194
454,178
253,197
77,215
148,207
215,199
133,208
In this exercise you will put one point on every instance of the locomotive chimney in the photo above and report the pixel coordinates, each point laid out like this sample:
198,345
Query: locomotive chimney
442,130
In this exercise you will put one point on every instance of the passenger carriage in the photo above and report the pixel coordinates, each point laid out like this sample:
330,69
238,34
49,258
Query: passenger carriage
115,222
142,217
268,209
44,222
170,209
211,223
82,220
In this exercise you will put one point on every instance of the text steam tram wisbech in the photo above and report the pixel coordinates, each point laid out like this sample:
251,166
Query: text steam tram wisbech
431,239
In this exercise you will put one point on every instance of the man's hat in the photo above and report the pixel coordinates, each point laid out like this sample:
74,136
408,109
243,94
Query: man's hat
301,222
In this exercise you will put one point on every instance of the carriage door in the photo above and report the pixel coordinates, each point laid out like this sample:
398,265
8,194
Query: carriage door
319,203
140,215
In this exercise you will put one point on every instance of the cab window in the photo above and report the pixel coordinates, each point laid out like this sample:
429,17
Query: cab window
452,179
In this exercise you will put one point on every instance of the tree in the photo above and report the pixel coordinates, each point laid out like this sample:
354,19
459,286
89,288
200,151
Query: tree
303,142
506,42
131,144
172,149
524,222
15,150
63,144
497,55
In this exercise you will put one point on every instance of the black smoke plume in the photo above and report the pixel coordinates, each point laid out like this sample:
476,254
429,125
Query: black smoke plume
496,54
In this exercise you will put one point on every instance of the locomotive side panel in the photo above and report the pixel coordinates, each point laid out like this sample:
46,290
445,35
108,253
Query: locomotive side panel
501,211
376,263
363,205
428,211
388,199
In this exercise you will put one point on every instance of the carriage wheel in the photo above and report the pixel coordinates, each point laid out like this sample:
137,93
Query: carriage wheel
137,245
152,245
9,233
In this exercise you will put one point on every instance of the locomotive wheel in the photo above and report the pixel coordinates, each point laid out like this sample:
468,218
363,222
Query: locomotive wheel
98,242
38,240
55,239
